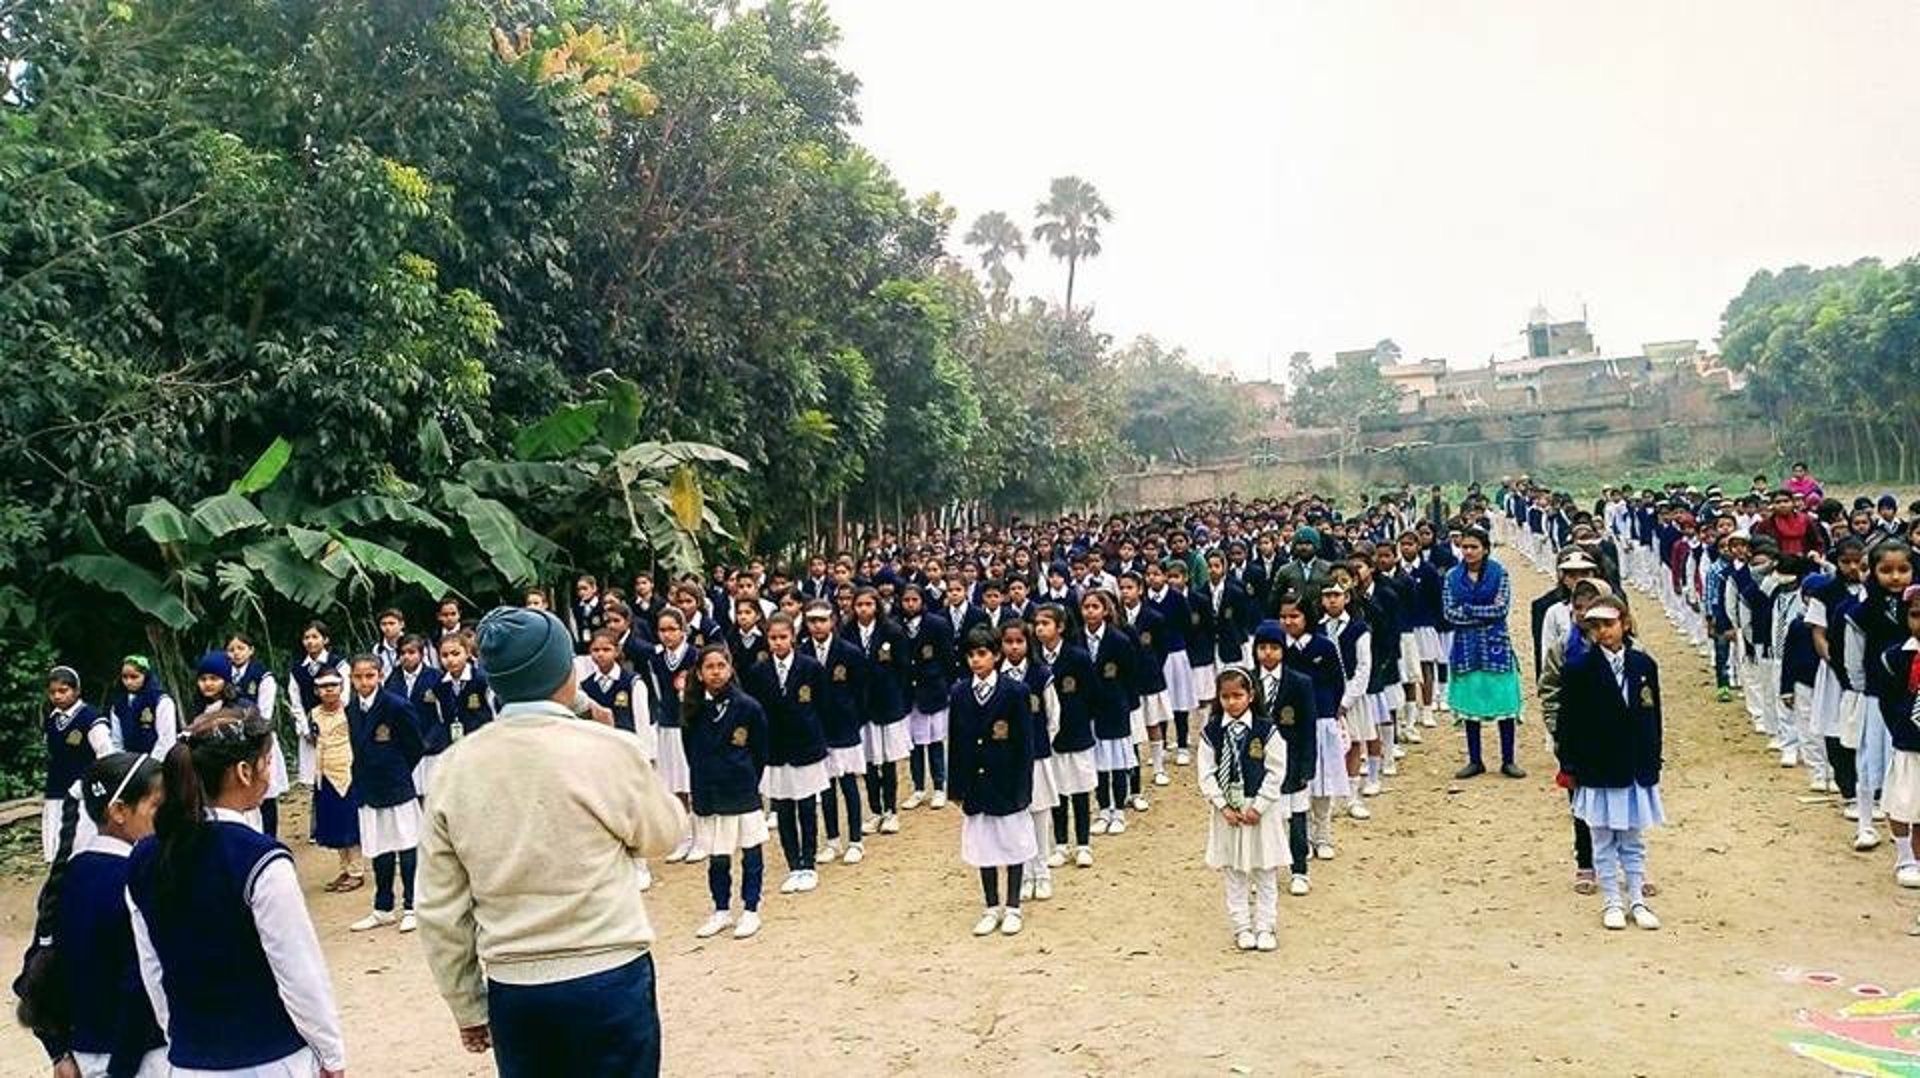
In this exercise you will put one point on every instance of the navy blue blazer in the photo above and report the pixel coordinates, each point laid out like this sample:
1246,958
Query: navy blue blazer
842,692
991,762
726,742
1073,684
1111,696
387,743
794,734
930,663
1149,636
425,699
1291,709
1603,739
886,677
1320,661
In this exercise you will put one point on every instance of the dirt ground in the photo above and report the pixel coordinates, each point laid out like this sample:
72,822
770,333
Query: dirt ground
1445,939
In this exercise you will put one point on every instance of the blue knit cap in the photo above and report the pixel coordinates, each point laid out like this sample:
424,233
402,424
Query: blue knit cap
215,663
527,654
1269,632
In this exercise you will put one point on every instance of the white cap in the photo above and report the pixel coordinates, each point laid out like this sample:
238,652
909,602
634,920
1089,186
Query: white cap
1602,610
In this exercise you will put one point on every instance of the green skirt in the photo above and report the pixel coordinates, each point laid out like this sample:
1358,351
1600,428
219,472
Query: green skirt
1481,696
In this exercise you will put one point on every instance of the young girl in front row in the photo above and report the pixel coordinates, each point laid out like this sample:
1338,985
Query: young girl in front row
1018,662
1243,764
385,735
726,740
1071,754
1894,679
465,699
992,717
1608,737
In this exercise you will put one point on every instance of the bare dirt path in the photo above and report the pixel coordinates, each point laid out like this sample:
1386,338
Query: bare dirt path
1444,939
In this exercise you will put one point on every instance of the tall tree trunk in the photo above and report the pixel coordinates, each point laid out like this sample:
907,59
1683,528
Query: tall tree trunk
1873,452
1073,264
1853,433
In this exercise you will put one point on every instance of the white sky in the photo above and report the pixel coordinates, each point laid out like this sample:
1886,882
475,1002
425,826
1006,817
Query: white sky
1295,175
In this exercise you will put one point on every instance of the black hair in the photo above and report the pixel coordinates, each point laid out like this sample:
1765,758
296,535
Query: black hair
982,638
110,774
194,774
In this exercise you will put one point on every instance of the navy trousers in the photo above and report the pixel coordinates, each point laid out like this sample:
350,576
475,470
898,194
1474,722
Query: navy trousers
606,1024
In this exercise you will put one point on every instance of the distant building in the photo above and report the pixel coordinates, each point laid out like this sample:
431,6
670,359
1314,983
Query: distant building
1415,381
1545,337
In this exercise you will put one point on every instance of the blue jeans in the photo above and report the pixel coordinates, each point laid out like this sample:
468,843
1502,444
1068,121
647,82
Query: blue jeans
606,1024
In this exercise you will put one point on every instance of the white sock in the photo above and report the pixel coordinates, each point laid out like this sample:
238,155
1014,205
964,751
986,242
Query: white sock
1159,756
1903,850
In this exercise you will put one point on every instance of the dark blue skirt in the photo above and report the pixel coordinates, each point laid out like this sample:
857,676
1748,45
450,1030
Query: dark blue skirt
336,819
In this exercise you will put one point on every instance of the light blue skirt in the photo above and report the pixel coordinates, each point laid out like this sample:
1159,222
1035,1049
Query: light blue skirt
1619,808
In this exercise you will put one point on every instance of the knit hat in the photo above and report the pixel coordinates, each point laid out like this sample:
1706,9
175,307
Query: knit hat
1269,632
1306,535
215,663
526,653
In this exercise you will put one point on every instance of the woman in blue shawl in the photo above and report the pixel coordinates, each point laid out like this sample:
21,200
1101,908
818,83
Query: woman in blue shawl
1485,677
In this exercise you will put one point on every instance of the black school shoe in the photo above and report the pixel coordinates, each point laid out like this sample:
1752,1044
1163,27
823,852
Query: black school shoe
1470,771
1513,771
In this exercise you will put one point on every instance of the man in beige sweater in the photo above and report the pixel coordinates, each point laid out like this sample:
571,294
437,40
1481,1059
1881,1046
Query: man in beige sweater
529,905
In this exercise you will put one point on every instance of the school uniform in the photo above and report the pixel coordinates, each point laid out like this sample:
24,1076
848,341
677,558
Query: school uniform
839,701
1071,759
796,769
747,649
1353,642
885,735
930,650
232,967
727,749
385,732
1151,704
992,776
465,704
75,737
301,698
589,617
418,689
671,672
146,722
1038,679
1893,678
1319,658
113,1029
1242,764
1176,621
1608,738
1286,700
387,652
624,693
1111,697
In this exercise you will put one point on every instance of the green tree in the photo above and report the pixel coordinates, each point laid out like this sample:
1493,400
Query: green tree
1070,220
1173,410
998,239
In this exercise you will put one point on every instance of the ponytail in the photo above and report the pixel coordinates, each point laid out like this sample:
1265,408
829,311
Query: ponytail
193,775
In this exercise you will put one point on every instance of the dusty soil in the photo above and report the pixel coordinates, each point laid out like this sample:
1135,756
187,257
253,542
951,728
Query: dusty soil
1445,939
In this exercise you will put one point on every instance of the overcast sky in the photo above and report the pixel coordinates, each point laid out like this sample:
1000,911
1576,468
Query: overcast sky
1294,175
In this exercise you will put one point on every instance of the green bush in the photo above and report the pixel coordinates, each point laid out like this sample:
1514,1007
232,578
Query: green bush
23,710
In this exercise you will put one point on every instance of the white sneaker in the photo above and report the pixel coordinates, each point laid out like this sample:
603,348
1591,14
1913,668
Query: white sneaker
1182,758
1358,810
1026,890
1905,876
1010,924
1300,886
1140,802
1399,753
808,881
408,922
1867,839
1879,813
1816,784
855,852
1832,786
1371,788
872,826
1101,821
790,884
1324,851
1789,757
1392,767
827,853
1644,917
1042,890
988,923
1427,720
1850,810
913,801
890,824
1057,858
749,924
376,919
1119,824
713,925
1414,735
1083,857
643,875
680,852
1266,941
1775,744
1614,918
696,853
1245,939
938,800
1160,779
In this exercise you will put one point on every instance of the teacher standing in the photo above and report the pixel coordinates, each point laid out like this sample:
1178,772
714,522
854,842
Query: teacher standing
530,908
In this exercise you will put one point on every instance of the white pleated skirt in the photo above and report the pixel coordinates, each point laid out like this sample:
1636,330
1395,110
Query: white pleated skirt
1853,711
389,830
791,782
1261,846
1619,808
1330,762
1409,658
721,836
851,760
1074,772
1826,702
277,783
1113,754
1360,721
423,774
1900,797
1300,800
992,841
1045,793
1179,675
927,728
1204,689
671,761
886,744
1431,648
1154,710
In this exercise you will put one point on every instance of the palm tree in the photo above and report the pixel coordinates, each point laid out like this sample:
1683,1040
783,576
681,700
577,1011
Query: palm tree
997,237
1070,222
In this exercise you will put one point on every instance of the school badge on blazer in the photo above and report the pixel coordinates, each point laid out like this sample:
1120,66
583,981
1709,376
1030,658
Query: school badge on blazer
1146,638
620,699
473,701
74,737
1033,703
1646,696
382,733
926,651
1111,670
840,672
739,737
1066,685
1256,749
1286,715
805,695
886,651
1000,729
146,716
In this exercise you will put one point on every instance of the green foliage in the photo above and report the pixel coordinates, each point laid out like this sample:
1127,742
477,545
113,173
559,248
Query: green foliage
1339,396
1070,220
1174,411
23,695
1833,357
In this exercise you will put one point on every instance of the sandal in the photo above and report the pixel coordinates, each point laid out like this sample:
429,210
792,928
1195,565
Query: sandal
353,883
336,883
1584,882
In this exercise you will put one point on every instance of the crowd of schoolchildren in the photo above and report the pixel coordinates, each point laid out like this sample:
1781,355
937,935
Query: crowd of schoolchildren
1805,608
1043,679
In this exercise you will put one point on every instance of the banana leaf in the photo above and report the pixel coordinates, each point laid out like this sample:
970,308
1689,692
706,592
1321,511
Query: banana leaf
224,514
137,585
265,469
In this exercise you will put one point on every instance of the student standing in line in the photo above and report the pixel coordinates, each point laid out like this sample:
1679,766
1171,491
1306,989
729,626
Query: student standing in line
1243,763
76,734
144,717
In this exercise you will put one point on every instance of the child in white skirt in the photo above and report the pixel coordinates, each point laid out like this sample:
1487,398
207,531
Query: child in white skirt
727,745
1169,597
1243,764
76,735
1894,681
1017,662
1319,658
385,735
992,718
1075,774
1113,708
1608,737
675,680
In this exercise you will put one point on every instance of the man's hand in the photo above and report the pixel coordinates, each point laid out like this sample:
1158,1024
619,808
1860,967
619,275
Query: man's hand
600,715
476,1039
